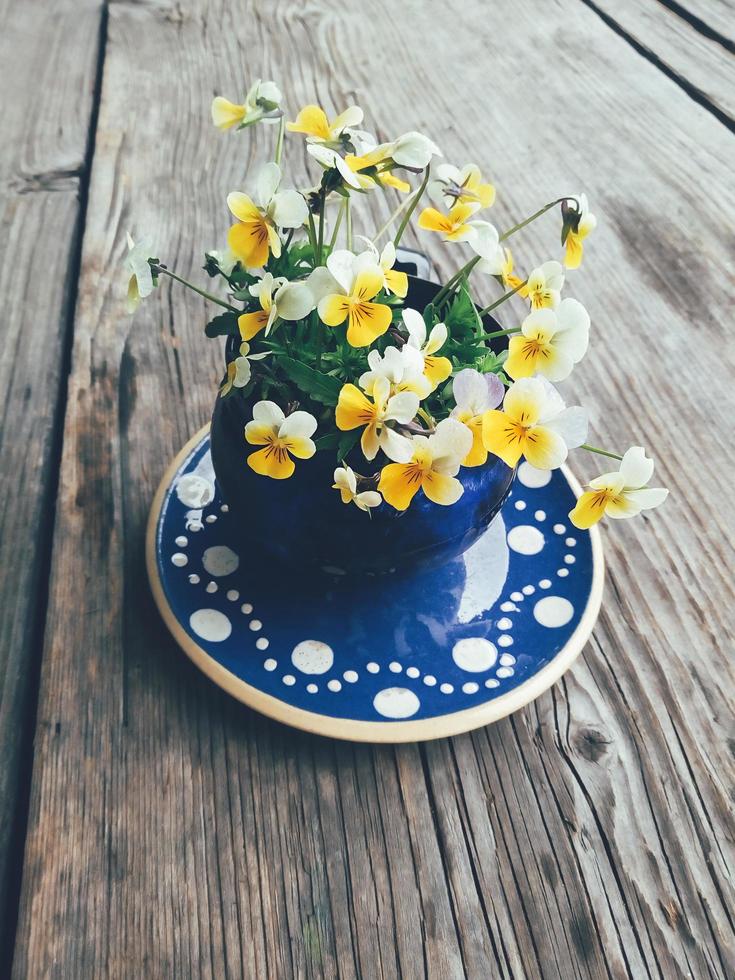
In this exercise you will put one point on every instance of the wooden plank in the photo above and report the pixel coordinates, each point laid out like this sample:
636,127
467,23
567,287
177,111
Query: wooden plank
173,833
699,63
717,16
47,84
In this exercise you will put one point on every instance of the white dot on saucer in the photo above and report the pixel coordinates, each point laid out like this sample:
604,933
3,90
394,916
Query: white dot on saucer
520,505
474,654
553,611
181,541
262,643
212,587
247,608
563,572
531,477
395,667
334,685
507,660
312,688
540,515
545,583
194,579
446,688
505,623
179,559
219,560
396,702
569,559
224,508
210,518
210,624
350,676
312,657
509,607
505,671
412,672
372,667
559,529
528,589
517,596
570,542
270,664
471,687
233,595
255,625
429,680
505,640
491,682
525,539
289,680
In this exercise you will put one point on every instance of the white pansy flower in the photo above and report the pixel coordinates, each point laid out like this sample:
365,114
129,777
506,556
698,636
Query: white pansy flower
239,370
355,411
622,493
543,286
345,480
436,369
474,394
404,370
278,299
432,467
453,185
261,103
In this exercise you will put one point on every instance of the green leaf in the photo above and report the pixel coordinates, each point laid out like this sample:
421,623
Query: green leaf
321,387
330,441
224,325
461,317
347,442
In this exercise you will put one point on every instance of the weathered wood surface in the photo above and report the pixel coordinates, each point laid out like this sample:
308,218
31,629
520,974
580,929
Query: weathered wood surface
700,63
174,833
47,100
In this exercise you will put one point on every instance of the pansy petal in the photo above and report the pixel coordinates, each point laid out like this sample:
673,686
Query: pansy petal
294,301
500,437
226,114
395,446
340,264
571,425
544,448
242,206
647,497
299,423
333,309
353,409
251,324
636,468
272,461
312,120
402,407
442,489
369,441
396,282
367,322
289,209
352,116
267,411
259,433
398,485
437,369
300,446
367,499
588,510
269,177
414,323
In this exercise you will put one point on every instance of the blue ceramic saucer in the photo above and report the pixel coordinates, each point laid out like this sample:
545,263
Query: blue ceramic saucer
395,658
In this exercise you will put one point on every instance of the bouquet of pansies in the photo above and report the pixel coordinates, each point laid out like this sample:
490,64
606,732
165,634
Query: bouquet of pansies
329,354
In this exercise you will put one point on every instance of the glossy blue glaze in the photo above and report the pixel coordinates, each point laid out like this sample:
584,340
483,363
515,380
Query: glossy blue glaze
438,641
302,521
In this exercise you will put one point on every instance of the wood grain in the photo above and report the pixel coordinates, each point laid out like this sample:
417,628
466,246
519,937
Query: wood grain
47,99
173,833
699,63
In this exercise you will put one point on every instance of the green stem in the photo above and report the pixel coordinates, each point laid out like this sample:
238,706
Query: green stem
466,269
600,452
337,223
501,333
279,140
196,289
537,214
503,298
412,207
382,230
348,224
322,217
312,236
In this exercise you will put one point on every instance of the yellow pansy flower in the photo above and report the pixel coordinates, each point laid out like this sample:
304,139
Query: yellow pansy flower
355,410
278,298
475,394
281,437
583,225
345,480
543,287
456,226
255,236
534,423
454,186
358,279
551,342
261,102
432,467
436,369
313,122
622,493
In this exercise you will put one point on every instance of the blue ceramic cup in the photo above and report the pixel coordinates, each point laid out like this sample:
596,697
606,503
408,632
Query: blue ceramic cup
303,522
